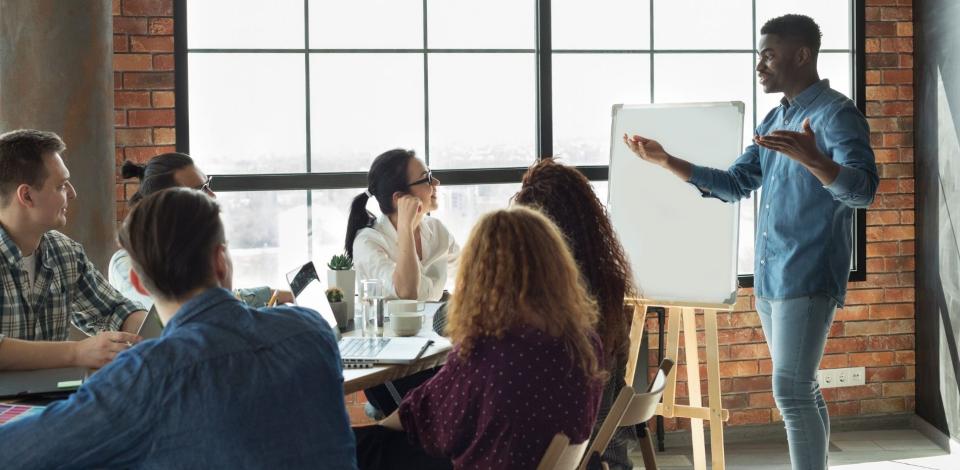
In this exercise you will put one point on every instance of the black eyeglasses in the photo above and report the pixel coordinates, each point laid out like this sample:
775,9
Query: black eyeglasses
426,179
205,187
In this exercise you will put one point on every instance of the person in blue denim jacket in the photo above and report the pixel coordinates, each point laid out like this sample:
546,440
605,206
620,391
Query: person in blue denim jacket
225,386
812,157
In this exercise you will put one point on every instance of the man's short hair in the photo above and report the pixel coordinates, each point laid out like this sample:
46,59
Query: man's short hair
21,159
171,236
799,28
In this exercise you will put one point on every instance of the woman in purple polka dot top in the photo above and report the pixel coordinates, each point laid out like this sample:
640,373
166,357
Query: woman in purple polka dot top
526,363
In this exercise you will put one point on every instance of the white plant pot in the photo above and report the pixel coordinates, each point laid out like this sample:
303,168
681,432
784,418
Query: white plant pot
347,282
340,313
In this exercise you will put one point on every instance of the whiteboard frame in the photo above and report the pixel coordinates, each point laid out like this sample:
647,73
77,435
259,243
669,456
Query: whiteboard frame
616,139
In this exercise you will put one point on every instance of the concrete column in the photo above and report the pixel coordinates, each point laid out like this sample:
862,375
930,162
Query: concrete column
56,74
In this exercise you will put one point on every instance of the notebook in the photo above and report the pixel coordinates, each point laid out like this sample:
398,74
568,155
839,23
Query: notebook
310,292
11,413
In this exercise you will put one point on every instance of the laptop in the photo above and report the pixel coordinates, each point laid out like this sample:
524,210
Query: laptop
63,379
309,291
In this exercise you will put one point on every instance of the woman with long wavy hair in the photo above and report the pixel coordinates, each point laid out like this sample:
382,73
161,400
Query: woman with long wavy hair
526,362
564,194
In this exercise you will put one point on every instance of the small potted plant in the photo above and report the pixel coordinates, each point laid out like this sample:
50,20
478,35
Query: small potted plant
339,307
340,274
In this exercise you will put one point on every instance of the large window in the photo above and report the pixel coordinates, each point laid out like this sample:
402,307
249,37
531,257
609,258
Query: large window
288,101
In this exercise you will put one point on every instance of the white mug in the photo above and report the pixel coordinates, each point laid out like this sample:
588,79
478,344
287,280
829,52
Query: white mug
406,316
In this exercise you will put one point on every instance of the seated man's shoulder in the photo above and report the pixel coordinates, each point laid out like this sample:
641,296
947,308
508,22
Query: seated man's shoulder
62,243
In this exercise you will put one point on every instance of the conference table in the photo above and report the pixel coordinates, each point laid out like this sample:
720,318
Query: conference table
355,380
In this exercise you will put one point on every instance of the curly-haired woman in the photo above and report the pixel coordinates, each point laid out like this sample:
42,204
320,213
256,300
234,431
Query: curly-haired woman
564,194
526,363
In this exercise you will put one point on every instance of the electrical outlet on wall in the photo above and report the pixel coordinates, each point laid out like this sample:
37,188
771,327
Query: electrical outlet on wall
849,377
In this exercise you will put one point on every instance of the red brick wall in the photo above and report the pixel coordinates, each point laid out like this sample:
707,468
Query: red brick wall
143,80
875,330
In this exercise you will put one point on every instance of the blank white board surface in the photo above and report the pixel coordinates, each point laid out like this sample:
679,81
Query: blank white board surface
682,246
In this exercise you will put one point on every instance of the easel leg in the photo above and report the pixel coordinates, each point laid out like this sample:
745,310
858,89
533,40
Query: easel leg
673,350
693,386
713,392
636,334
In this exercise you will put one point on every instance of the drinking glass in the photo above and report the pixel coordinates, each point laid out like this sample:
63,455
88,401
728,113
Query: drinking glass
371,295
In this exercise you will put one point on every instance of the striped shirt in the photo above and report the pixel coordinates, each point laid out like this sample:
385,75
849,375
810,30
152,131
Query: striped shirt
67,287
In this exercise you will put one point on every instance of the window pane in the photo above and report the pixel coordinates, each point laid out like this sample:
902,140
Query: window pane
610,24
366,24
330,209
245,24
601,188
267,235
362,105
835,66
461,206
731,79
585,87
247,113
481,24
833,16
482,110
696,24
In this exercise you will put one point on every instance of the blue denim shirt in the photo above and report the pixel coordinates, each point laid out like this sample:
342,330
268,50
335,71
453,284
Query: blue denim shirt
804,229
225,386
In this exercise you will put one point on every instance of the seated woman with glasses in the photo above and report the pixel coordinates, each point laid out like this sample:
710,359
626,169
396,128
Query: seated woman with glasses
408,251
525,365
170,170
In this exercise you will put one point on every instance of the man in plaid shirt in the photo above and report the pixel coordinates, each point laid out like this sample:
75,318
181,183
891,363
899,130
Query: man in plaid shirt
45,277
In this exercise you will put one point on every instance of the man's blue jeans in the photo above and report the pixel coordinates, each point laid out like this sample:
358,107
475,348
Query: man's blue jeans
796,331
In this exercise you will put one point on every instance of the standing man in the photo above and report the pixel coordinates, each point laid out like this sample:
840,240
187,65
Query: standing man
46,277
812,157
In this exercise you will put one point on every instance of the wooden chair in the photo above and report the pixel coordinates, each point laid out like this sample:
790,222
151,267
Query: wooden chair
630,409
561,455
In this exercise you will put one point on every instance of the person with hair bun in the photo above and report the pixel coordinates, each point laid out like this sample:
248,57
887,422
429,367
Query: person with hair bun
172,170
409,251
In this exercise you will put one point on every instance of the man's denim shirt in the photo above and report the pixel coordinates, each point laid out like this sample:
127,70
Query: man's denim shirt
804,229
225,386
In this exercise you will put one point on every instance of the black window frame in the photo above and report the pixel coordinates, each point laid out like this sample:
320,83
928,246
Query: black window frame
544,122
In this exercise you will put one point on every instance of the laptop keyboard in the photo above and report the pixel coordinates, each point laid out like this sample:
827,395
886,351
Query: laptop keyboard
362,347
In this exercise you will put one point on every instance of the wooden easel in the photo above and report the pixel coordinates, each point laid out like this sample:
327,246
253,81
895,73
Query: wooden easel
684,313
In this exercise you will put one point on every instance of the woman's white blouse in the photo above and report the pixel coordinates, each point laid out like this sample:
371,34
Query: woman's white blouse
375,253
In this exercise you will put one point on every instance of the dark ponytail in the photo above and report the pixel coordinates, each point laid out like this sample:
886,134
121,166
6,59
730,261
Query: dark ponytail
387,175
156,174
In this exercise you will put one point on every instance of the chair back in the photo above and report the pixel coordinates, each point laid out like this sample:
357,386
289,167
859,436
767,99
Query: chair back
561,455
629,409
644,405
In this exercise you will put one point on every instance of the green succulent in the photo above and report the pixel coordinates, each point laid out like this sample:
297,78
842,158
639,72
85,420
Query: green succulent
334,294
340,262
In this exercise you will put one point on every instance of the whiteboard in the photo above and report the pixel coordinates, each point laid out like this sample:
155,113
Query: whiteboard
682,247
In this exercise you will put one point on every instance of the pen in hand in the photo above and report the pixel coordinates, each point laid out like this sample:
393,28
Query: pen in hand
273,298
